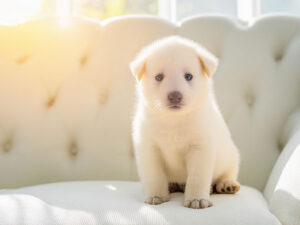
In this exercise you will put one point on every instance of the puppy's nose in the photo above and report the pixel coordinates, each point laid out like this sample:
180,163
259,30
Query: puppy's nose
175,97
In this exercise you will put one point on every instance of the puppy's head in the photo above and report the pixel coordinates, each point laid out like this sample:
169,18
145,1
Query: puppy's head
173,74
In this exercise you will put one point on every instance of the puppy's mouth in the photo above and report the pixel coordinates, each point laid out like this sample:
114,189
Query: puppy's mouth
175,106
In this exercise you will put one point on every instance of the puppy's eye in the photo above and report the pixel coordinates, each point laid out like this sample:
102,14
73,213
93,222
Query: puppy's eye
188,76
159,77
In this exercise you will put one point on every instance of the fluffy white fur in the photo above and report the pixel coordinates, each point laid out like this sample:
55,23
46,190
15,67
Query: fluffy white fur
189,144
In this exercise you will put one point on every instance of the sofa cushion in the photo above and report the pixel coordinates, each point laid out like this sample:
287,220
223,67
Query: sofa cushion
117,202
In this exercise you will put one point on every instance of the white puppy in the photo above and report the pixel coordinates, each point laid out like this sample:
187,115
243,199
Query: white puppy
178,131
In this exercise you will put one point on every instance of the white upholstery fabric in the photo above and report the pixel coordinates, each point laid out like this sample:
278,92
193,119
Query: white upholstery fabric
87,203
66,93
283,187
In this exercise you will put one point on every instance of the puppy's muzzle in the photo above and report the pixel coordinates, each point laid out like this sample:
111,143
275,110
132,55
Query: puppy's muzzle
175,97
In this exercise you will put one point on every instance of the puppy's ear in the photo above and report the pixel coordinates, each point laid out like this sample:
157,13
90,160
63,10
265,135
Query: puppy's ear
138,67
207,60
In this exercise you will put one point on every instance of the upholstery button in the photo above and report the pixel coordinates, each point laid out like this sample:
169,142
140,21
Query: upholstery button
278,57
50,102
250,99
22,59
7,146
73,149
83,60
103,98
132,153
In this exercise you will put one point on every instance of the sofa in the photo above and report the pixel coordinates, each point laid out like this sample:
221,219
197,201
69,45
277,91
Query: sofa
67,102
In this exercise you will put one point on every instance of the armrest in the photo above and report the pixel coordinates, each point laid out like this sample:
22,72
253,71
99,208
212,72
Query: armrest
283,187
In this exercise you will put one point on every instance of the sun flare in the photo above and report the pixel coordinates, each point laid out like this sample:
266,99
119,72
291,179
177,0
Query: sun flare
18,11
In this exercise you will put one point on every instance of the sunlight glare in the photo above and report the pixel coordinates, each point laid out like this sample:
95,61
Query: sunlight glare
111,187
13,12
63,11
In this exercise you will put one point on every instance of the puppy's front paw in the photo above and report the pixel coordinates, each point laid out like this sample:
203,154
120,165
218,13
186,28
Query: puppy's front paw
156,200
227,187
198,203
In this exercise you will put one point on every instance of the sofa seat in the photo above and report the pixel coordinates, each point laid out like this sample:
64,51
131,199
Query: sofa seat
120,202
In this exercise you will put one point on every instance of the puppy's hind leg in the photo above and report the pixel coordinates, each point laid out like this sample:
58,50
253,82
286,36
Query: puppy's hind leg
228,183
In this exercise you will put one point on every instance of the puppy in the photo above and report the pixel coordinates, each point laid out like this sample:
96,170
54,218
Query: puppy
179,134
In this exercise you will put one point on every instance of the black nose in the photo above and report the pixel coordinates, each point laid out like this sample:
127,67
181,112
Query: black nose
175,97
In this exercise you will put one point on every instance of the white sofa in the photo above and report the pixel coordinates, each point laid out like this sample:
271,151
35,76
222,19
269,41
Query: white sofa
66,104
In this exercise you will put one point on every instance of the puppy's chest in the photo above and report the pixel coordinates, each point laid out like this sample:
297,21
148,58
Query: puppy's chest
172,139
173,144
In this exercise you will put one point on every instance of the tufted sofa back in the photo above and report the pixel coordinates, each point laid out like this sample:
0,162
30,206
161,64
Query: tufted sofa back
67,95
